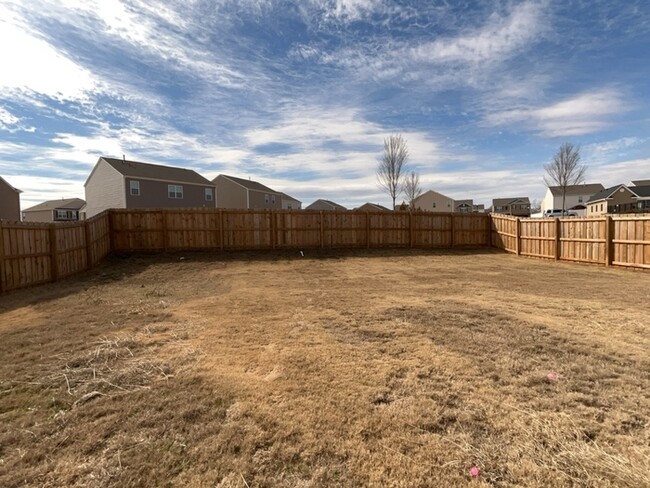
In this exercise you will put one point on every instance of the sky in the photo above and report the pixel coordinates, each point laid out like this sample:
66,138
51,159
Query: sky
300,95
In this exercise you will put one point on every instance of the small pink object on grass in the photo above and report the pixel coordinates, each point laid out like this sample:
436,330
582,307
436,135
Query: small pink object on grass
553,376
474,471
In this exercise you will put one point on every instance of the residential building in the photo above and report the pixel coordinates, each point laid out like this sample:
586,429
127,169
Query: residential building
432,201
372,207
290,203
233,192
120,183
478,208
9,201
620,199
641,183
326,205
517,206
575,200
63,210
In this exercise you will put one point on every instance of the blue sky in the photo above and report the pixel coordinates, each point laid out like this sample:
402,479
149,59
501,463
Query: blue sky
301,94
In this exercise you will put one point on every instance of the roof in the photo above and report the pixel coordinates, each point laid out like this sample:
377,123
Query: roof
641,182
64,203
135,169
332,204
10,186
375,206
248,184
606,193
434,192
289,197
584,189
641,191
498,202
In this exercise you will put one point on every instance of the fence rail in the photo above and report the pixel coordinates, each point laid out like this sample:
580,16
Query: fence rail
33,253
608,240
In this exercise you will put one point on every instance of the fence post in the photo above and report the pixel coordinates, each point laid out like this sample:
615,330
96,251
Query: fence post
368,229
221,228
558,231
89,248
453,229
610,233
518,236
54,265
488,230
322,231
2,259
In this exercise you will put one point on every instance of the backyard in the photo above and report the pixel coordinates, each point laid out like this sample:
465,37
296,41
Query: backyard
352,368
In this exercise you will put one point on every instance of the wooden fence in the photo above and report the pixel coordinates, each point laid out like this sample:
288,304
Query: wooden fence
41,253
33,253
608,240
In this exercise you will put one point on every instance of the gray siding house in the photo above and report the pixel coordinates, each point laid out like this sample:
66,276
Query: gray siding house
9,201
290,203
120,183
235,192
372,207
328,205
64,210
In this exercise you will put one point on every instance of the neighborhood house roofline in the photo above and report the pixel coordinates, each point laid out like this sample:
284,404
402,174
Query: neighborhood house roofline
607,193
249,184
155,172
509,201
10,185
289,197
67,204
586,189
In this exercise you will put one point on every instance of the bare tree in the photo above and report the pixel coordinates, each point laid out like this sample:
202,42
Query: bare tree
391,165
565,170
412,188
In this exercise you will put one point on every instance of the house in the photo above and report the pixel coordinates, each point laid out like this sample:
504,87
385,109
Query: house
120,183
328,205
517,206
290,203
620,199
576,197
9,201
641,183
235,192
432,201
63,210
372,207
478,208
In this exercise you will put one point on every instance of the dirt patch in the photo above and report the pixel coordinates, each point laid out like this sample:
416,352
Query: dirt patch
383,368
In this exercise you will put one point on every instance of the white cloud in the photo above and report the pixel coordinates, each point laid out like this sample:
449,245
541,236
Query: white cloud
614,173
582,114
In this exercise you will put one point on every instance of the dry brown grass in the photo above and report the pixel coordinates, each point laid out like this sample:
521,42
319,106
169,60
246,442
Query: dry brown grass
378,369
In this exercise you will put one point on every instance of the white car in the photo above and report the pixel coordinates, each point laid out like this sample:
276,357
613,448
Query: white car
559,213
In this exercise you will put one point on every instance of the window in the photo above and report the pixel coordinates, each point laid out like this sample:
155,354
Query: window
66,215
266,199
289,205
175,191
208,194
580,199
61,214
449,203
434,204
273,199
134,186
601,207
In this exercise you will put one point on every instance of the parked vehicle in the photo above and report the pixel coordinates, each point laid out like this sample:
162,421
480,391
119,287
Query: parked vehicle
559,213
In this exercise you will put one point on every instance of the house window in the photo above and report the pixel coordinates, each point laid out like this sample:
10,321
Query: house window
208,194
601,207
66,215
434,204
449,203
175,191
266,199
134,186
580,199
273,199
289,205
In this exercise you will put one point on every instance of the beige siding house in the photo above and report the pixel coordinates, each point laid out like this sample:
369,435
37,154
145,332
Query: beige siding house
64,210
517,206
290,203
235,192
372,207
120,183
326,205
9,201
432,201
620,199
576,199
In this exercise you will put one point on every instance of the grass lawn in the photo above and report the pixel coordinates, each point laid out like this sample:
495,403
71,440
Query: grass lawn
386,368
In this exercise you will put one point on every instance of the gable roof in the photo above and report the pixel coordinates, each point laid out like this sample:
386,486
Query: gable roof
136,169
289,197
607,193
434,192
248,184
374,206
584,189
64,203
332,204
499,202
10,186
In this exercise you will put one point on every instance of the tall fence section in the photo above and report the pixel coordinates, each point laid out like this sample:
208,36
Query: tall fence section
41,253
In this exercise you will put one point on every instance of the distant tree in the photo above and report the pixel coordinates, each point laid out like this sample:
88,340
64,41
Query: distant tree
390,169
565,170
412,188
